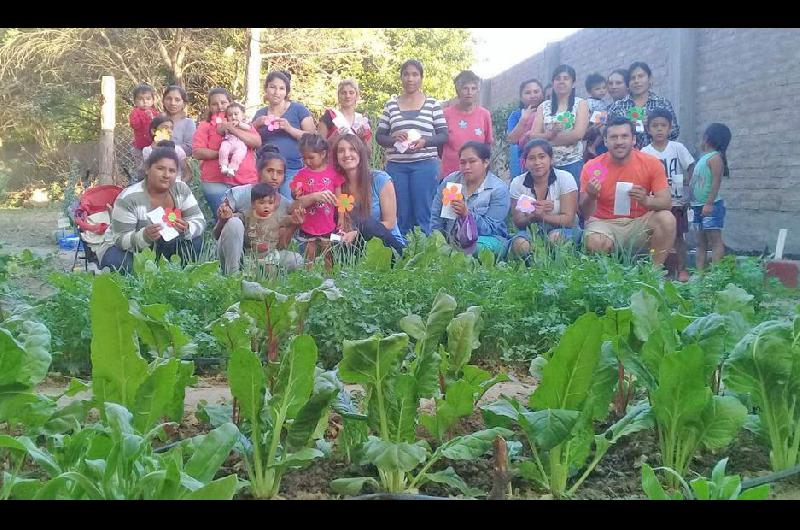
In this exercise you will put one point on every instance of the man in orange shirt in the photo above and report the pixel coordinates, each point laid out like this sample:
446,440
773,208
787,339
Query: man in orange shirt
648,220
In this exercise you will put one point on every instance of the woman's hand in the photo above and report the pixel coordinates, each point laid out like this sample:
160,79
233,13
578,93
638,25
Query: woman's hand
417,144
349,237
460,208
298,216
400,136
283,123
259,122
544,207
707,210
223,128
180,225
152,232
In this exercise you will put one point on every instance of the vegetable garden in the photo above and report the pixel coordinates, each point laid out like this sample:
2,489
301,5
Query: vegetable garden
390,378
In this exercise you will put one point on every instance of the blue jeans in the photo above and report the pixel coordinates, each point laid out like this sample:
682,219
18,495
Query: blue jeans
574,169
121,260
214,192
415,185
284,189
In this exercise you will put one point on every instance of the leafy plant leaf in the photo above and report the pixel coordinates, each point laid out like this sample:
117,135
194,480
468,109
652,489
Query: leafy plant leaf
212,452
352,485
450,478
295,377
247,381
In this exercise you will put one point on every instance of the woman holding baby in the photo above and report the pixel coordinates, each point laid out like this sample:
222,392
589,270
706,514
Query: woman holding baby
410,129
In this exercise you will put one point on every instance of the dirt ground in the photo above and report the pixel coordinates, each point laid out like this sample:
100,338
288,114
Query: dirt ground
34,229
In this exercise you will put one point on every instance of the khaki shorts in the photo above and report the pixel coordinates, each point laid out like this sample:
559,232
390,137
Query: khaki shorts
626,233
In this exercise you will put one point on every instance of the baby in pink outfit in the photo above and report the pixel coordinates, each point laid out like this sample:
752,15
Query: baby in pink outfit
233,150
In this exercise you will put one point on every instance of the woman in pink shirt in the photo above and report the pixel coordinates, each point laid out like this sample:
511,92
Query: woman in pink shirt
205,147
466,121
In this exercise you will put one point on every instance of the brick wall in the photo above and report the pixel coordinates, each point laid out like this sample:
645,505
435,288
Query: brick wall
748,79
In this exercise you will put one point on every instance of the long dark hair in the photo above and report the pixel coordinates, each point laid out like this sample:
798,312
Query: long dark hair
547,147
718,136
363,206
560,69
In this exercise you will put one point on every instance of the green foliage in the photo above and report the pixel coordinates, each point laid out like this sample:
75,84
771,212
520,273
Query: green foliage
765,365
575,390
119,373
720,487
393,394
115,461
280,422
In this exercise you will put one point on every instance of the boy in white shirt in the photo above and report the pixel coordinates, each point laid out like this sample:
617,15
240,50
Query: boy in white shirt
678,164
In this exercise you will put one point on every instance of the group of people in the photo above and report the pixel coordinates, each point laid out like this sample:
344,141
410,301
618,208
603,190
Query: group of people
608,172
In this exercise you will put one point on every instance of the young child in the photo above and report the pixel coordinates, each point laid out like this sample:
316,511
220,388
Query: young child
708,208
141,115
598,111
233,150
265,224
316,187
597,91
678,164
161,131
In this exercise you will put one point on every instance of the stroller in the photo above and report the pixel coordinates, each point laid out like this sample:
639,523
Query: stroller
93,219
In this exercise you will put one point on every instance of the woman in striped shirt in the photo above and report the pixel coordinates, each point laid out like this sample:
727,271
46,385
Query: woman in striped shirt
132,231
412,157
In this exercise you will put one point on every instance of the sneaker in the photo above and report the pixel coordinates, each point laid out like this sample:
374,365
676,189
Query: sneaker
231,172
683,276
223,169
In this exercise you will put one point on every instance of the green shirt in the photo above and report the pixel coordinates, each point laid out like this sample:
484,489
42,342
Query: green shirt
702,180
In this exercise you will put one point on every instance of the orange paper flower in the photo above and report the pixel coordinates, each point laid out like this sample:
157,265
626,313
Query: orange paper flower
171,215
345,203
451,193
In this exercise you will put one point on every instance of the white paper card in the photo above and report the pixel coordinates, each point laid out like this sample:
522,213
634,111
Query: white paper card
340,122
447,209
622,201
157,217
412,136
63,222
335,237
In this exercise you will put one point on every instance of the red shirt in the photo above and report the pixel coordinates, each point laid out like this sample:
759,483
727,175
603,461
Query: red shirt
461,128
207,137
140,123
642,169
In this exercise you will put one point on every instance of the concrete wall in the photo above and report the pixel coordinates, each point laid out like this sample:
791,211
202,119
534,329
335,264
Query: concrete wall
748,79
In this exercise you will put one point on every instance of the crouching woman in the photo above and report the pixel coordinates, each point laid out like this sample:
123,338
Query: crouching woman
132,230
472,217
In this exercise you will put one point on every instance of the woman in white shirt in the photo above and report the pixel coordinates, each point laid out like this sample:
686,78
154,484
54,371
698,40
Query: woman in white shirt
543,198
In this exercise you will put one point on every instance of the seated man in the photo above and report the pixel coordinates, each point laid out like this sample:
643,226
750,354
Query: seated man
648,221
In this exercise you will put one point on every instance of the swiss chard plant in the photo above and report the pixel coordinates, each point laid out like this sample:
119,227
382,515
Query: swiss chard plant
677,371
765,365
113,461
720,487
461,385
393,392
558,424
24,361
151,391
282,422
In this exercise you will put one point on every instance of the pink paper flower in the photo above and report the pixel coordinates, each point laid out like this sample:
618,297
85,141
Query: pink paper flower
598,171
525,204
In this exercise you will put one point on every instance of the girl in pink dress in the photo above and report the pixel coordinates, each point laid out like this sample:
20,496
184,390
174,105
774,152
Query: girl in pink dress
316,187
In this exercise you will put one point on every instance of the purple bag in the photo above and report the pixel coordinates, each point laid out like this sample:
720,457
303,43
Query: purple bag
466,234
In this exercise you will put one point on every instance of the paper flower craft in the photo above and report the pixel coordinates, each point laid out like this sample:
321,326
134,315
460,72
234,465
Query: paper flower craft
345,203
162,134
451,193
636,114
598,171
270,123
171,215
525,205
566,118
298,186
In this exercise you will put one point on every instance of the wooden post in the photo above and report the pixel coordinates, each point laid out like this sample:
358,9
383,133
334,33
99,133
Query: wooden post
108,118
253,82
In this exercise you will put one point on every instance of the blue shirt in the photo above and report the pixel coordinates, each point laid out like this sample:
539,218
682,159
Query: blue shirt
489,204
513,149
283,140
379,180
